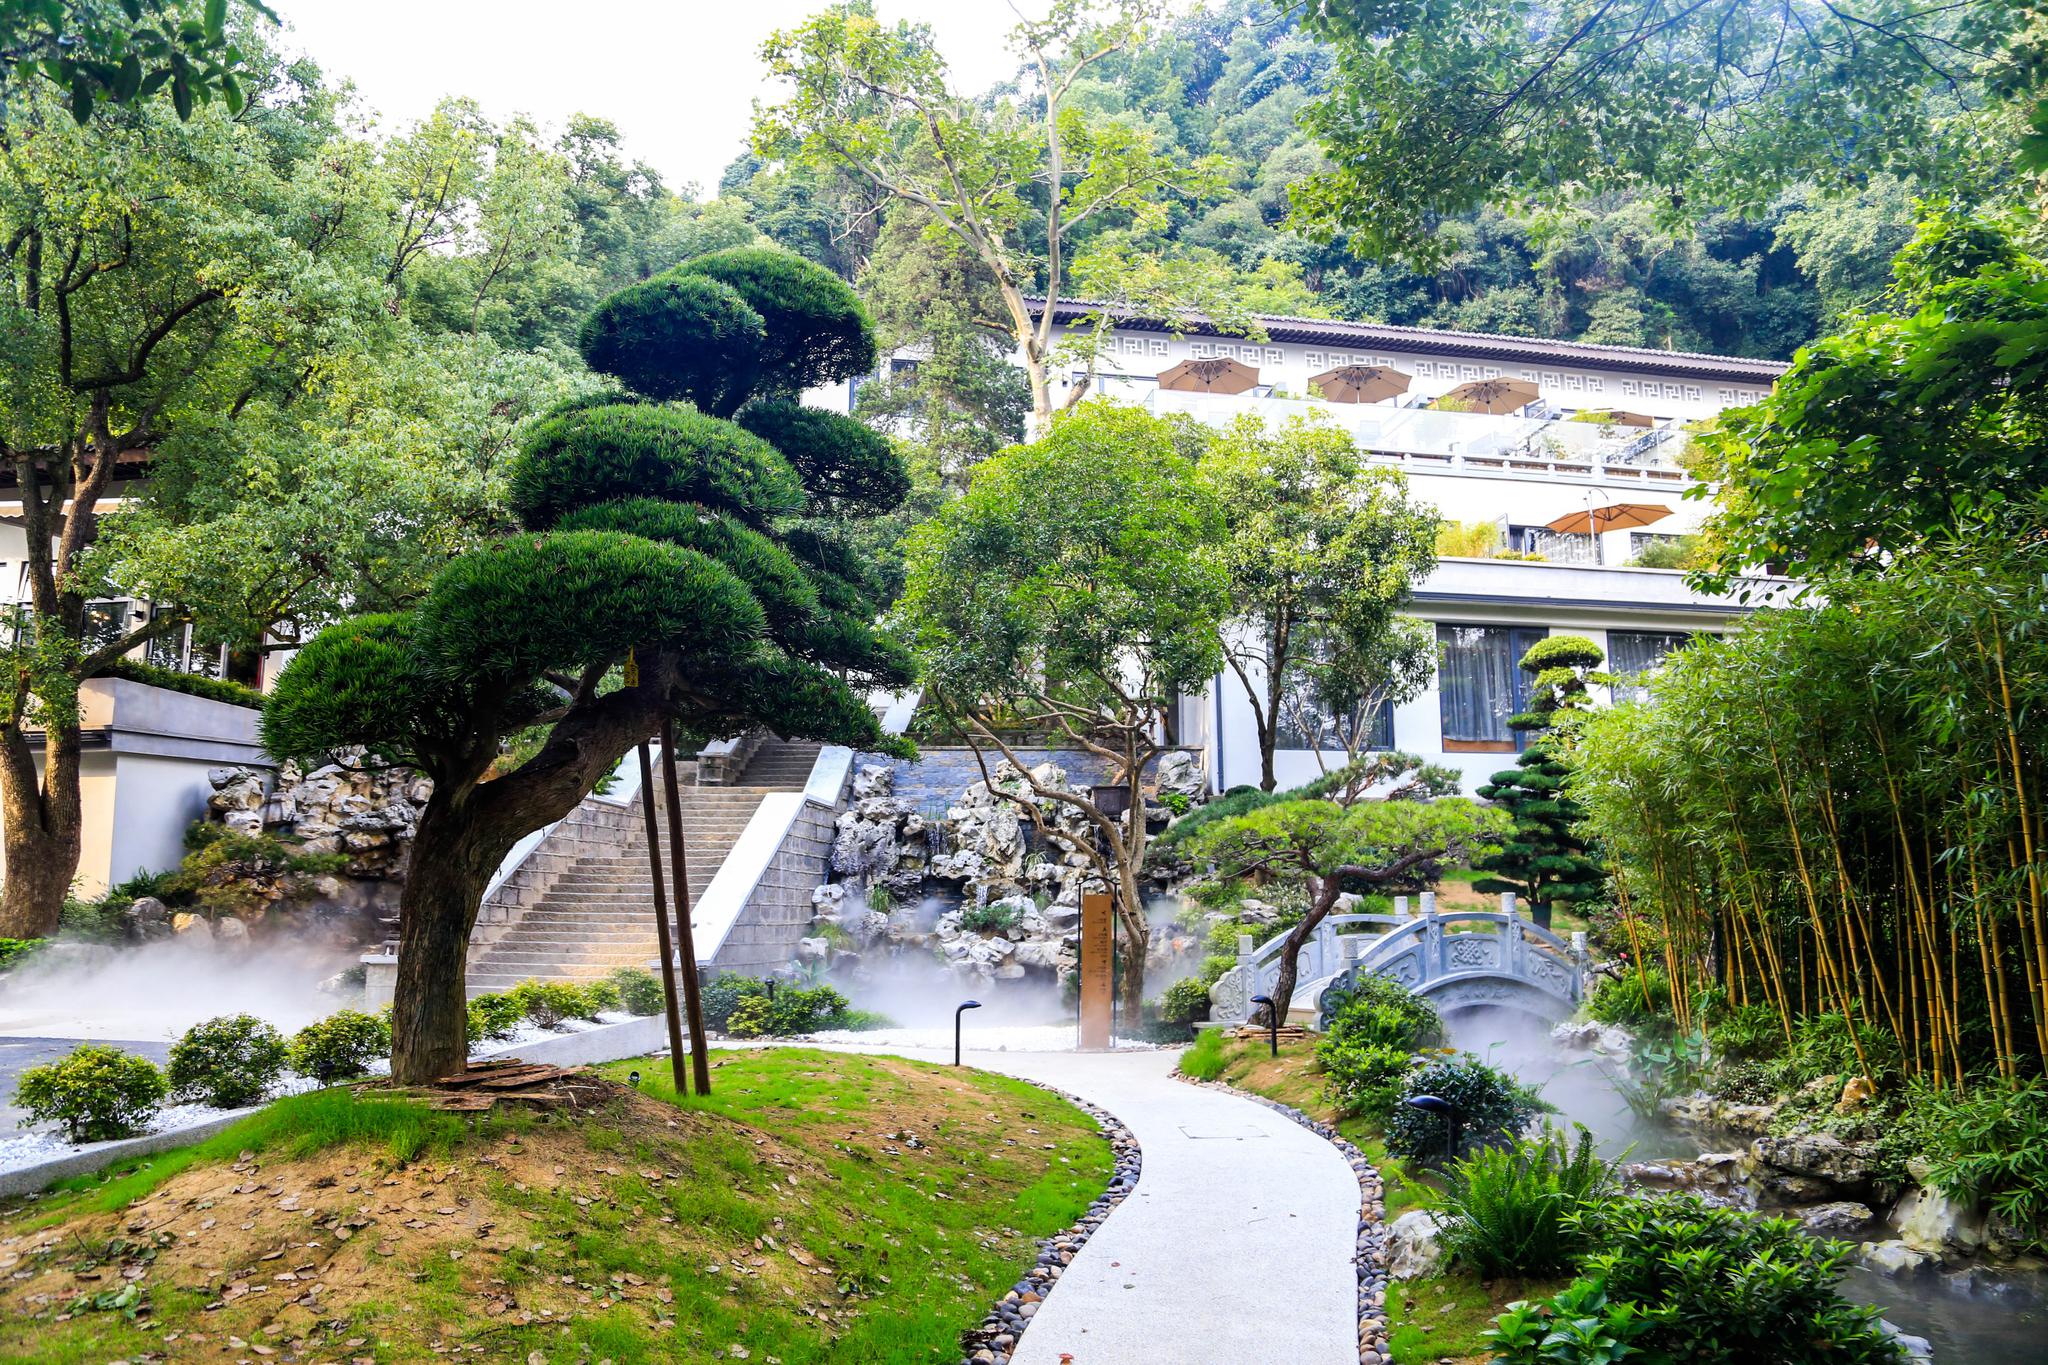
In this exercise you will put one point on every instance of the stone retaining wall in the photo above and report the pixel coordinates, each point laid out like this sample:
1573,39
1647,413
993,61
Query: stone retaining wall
778,913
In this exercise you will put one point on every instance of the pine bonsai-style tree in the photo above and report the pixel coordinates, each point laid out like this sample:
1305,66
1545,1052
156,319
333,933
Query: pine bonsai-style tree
1543,861
657,530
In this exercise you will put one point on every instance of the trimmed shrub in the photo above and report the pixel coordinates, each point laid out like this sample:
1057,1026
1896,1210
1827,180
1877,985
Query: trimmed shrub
1514,1210
817,331
494,1017
1364,1078
749,1018
227,1062
340,1046
723,993
1186,1001
640,992
600,997
1489,1106
97,1092
1383,1012
547,1003
192,684
788,598
638,450
1703,1284
842,462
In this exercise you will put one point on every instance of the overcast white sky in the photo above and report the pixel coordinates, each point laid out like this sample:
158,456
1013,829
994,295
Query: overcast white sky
679,79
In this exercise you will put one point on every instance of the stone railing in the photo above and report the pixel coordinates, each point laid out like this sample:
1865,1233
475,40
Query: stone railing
720,763
1460,960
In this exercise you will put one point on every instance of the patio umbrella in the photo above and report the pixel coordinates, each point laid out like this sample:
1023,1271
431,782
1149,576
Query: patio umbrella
1209,376
1495,396
1614,417
1612,517
1360,383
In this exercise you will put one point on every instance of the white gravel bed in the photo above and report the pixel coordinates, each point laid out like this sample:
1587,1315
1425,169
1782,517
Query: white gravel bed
47,1143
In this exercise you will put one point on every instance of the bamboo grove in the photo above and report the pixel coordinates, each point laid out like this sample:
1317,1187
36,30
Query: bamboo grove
1840,809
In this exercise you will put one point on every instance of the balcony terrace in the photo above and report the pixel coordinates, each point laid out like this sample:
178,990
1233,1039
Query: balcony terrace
1425,440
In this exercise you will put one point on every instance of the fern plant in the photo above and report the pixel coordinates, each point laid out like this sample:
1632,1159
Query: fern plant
1512,1210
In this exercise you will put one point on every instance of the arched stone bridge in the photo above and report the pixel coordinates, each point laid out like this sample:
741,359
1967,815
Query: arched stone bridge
1466,959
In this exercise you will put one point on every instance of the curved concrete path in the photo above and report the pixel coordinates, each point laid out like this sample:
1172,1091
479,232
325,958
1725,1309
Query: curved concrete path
1235,1247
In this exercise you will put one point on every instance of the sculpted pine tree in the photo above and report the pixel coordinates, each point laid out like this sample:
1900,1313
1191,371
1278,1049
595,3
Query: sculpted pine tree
1544,860
657,530
1366,846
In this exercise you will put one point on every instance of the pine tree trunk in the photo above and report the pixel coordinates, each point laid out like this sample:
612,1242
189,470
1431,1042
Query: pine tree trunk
1323,900
444,886
42,830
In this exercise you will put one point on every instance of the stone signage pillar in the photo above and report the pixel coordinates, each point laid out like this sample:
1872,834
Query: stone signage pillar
1097,978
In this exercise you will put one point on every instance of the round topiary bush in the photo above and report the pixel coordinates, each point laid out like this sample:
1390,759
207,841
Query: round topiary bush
598,996
677,335
817,331
842,462
340,1046
1489,1105
640,992
227,1062
631,450
97,1092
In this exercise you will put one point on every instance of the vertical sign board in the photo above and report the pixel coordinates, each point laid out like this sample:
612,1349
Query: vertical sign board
1096,982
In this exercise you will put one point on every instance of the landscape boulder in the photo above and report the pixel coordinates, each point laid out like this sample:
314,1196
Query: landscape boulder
1413,1246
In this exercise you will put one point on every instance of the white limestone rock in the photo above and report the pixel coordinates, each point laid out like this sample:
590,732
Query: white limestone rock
1894,1258
1929,1221
1413,1249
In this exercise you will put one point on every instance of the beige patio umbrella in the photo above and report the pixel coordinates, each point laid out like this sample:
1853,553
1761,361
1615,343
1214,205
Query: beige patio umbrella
1614,417
1496,396
1209,376
1613,517
1360,383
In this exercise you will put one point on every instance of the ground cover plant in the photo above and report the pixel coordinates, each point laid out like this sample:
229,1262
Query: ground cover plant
786,1215
1515,1209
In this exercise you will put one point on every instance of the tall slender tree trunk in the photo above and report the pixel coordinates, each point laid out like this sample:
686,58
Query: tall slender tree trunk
1321,903
42,829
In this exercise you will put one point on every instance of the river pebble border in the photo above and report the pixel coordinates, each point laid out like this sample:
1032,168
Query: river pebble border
995,1341
1370,1261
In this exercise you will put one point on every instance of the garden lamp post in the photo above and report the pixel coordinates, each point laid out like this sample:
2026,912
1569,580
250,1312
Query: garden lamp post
1444,1109
1272,1021
965,1006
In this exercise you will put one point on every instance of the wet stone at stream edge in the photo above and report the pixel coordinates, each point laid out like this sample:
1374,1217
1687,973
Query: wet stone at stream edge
995,1340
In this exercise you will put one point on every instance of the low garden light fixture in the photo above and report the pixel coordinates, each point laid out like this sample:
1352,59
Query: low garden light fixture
1272,1021
1444,1109
965,1005
633,1079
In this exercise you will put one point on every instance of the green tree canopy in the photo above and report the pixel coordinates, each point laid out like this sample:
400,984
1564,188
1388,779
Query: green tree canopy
1320,549
656,541
1074,588
1912,422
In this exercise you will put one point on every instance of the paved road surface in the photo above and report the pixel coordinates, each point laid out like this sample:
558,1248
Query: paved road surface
1235,1247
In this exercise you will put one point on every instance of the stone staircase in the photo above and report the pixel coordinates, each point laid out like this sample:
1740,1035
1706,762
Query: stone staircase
598,914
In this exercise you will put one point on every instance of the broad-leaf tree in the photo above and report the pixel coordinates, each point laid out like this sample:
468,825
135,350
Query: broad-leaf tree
122,52
1914,422
1321,549
1014,179
1362,847
1439,106
1074,589
1545,859
659,575
160,275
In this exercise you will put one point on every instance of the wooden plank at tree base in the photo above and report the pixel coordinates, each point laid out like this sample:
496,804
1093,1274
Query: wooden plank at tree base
1096,980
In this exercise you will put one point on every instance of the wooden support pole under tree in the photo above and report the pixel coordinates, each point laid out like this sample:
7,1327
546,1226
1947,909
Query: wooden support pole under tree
686,938
668,965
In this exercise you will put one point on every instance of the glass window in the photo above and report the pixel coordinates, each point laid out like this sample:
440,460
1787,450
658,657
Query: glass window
1299,714
1634,655
105,622
1481,684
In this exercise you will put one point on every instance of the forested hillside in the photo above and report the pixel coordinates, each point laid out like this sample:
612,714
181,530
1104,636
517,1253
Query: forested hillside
1227,84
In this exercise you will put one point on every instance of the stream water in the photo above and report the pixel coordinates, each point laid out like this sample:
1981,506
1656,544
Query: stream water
1969,1318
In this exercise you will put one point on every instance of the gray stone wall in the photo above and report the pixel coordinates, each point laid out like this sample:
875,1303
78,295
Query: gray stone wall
779,912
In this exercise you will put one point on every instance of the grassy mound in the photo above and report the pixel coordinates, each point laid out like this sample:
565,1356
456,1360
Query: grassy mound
818,1207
